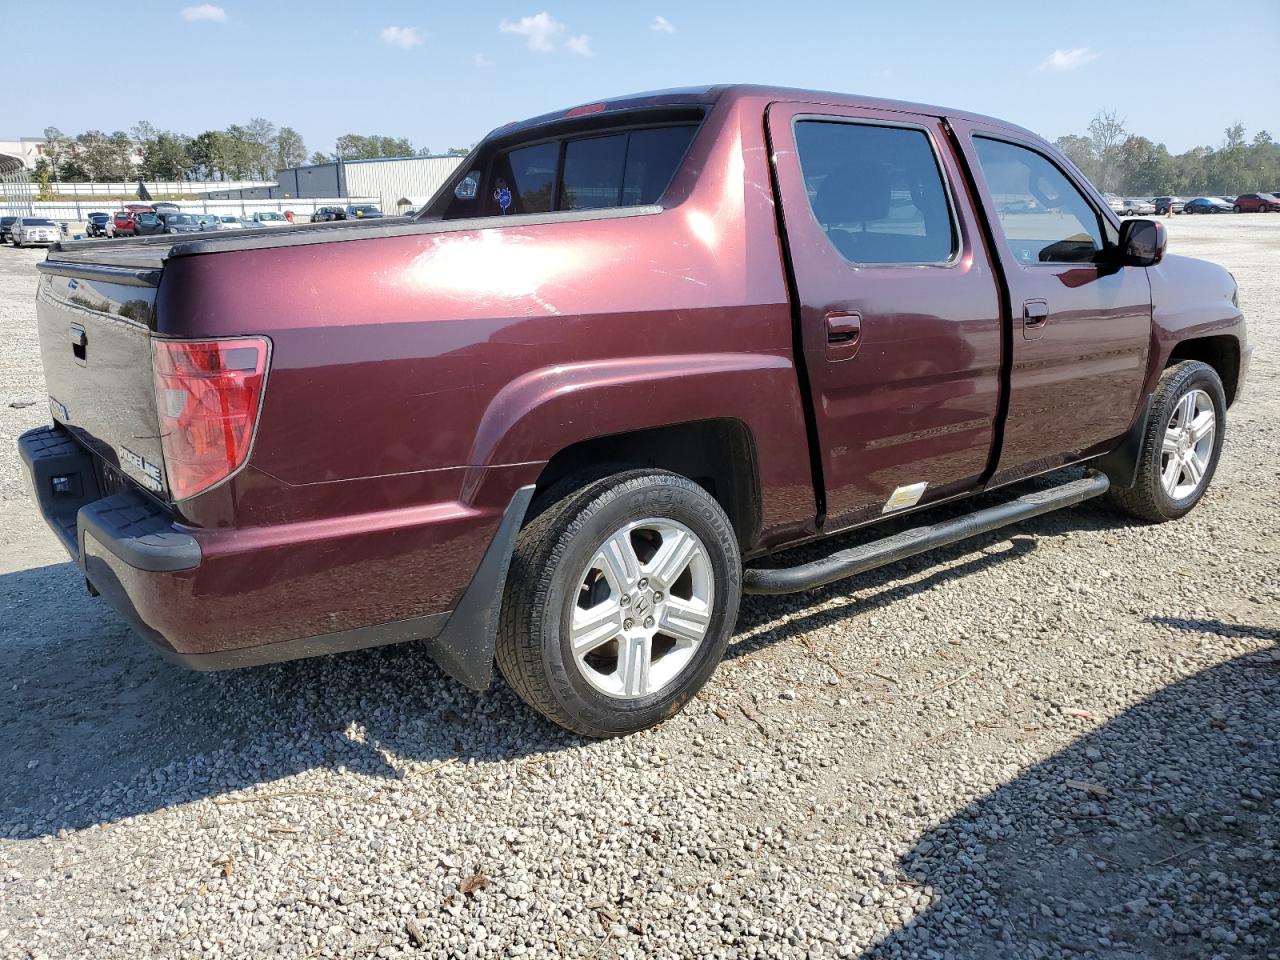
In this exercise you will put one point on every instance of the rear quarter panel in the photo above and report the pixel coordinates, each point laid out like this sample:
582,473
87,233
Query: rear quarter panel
494,348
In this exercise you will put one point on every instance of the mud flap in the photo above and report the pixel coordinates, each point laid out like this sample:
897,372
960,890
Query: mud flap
464,649
1121,464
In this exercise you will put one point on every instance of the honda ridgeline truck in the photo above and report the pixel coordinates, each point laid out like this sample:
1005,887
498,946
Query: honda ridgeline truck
563,416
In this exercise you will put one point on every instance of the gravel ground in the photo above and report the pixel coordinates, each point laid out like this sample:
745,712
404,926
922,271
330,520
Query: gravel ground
1060,742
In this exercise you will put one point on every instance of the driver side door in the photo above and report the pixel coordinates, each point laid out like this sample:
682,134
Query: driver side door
1081,322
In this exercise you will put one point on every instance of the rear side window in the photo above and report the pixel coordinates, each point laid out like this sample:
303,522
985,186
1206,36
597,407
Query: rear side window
1044,217
876,191
533,177
624,169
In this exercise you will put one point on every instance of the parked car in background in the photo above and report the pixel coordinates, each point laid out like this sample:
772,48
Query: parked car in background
1206,205
140,207
1117,204
355,211
1257,203
269,218
6,224
208,221
34,231
453,431
147,224
360,211
228,222
122,224
1162,205
166,206
182,223
1137,207
98,224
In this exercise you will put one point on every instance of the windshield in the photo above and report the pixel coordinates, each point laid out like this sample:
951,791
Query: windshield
147,218
270,216
227,219
362,210
37,223
181,218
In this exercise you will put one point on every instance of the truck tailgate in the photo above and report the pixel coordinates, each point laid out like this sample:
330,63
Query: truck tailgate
95,324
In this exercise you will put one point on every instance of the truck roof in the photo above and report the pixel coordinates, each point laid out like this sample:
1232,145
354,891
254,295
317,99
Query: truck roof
719,93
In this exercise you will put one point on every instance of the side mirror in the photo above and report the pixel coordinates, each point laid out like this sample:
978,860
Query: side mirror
1142,242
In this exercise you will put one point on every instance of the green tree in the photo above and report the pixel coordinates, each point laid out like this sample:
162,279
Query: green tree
290,151
1106,133
165,157
1079,150
354,146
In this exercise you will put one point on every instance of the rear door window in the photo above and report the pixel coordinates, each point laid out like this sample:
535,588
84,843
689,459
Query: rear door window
876,191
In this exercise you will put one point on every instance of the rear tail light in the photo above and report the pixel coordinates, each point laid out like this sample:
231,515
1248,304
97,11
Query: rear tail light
208,393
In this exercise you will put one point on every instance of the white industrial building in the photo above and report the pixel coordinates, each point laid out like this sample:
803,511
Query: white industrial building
399,182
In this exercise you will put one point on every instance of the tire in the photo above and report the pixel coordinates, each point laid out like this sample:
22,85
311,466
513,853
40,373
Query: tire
1236,209
1189,388
560,562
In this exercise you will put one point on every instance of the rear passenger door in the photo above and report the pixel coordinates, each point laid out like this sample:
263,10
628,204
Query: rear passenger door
899,316
1081,322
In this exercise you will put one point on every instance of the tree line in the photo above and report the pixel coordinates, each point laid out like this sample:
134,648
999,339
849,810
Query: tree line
1117,161
250,151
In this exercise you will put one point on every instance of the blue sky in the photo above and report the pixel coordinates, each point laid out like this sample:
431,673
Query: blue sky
445,74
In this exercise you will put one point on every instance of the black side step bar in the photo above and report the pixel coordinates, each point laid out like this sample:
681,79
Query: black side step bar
879,553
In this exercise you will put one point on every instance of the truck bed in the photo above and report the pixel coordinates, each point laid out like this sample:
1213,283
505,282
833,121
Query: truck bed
150,253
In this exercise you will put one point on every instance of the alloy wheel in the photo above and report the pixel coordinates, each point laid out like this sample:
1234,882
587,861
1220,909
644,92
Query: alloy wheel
1187,447
643,607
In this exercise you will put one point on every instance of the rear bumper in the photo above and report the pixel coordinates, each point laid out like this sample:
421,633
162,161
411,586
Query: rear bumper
218,599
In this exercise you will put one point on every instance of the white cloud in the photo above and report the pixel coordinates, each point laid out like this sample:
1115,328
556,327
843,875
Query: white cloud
483,61
662,25
542,32
206,11
1068,59
581,45
545,34
406,38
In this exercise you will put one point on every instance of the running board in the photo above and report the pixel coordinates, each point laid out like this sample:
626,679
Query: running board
879,553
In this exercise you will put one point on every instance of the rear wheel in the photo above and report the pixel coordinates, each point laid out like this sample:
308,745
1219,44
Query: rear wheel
1180,449
620,601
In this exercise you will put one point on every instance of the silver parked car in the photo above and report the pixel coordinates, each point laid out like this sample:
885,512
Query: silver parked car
34,231
1137,207
228,222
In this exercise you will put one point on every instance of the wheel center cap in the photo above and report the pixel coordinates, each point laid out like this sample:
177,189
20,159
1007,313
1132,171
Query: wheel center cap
643,603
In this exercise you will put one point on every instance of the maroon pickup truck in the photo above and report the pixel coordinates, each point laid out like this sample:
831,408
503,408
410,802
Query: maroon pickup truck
627,349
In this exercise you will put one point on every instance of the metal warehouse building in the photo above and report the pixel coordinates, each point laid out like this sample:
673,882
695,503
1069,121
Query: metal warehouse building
415,179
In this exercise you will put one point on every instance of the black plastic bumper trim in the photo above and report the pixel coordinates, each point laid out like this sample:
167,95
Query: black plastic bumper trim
879,553
139,532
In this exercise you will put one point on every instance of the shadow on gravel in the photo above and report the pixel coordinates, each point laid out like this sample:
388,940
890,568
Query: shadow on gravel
95,726
1156,836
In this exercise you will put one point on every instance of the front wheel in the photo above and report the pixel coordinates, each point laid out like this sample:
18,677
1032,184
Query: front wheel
1186,424
620,600
1236,208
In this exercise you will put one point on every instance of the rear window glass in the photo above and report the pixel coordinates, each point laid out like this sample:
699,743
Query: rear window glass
624,169
533,175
